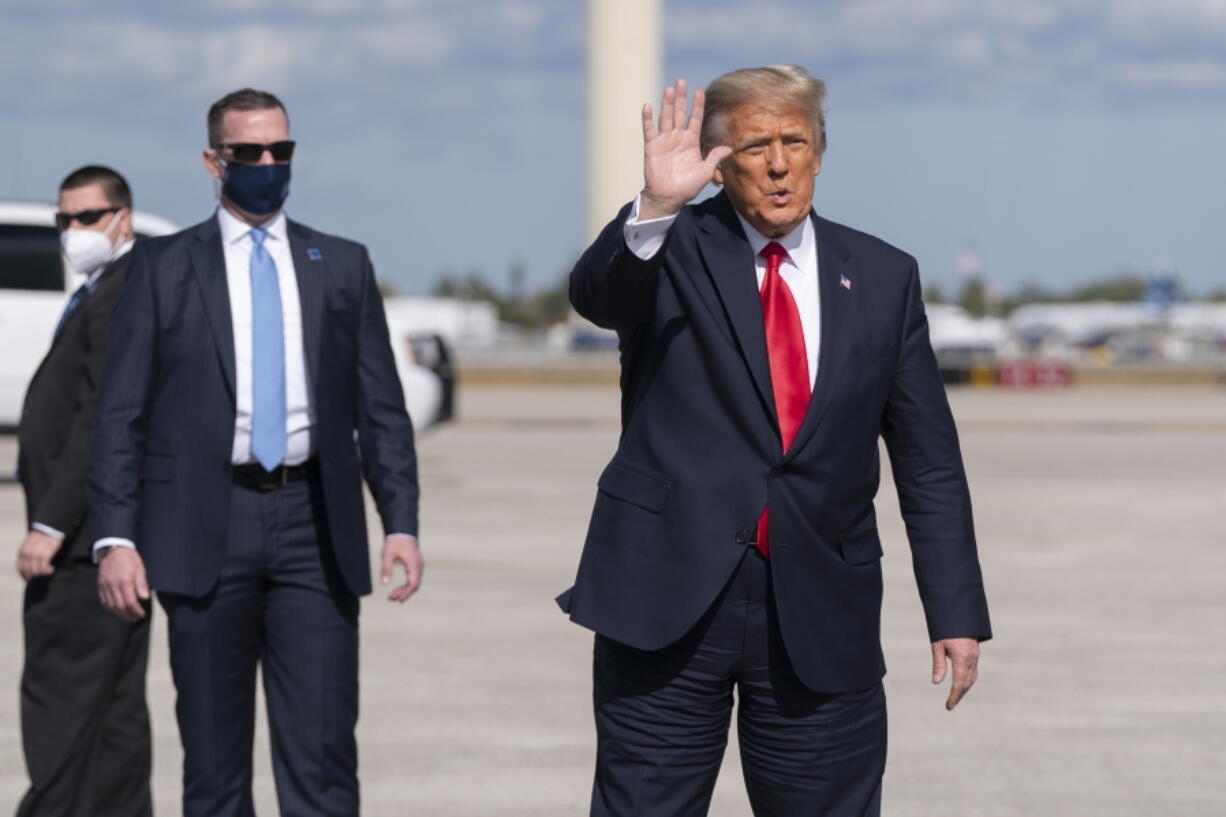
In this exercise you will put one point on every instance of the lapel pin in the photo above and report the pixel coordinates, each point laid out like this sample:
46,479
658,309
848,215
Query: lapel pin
845,282
314,254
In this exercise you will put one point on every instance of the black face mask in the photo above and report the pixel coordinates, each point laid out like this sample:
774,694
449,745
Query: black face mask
258,189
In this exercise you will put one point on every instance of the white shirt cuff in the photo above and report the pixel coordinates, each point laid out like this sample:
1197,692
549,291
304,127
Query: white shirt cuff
645,238
47,529
111,542
405,535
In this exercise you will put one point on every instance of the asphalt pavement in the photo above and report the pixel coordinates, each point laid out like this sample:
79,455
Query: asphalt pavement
1101,517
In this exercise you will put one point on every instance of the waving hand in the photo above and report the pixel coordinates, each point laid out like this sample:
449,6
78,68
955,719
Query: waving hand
674,170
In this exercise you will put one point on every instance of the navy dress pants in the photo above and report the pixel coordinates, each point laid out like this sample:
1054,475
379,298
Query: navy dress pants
280,604
662,720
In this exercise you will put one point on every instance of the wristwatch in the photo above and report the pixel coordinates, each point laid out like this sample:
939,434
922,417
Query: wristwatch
100,553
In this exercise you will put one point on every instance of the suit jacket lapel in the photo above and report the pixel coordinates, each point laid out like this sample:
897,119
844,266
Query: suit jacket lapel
119,263
310,273
68,319
209,265
838,307
730,262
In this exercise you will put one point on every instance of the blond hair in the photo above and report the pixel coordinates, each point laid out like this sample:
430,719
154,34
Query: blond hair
785,84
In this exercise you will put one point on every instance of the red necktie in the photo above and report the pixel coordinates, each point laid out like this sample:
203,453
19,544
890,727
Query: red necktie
785,346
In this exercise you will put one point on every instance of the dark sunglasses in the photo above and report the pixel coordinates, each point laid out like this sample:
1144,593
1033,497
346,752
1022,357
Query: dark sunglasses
251,152
86,217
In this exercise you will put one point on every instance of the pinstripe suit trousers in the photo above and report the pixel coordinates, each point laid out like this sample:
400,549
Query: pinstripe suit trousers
282,605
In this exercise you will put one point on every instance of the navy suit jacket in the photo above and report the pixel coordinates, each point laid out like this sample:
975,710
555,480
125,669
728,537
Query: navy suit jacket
700,453
160,472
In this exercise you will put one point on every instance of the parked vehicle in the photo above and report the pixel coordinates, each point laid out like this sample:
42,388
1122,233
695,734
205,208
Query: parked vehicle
35,287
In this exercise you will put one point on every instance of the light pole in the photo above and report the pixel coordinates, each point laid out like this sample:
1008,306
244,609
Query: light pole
625,56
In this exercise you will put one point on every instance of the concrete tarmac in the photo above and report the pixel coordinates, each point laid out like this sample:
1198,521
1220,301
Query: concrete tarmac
1101,517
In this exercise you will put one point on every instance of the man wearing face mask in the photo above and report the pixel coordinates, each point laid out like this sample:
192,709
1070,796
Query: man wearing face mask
85,726
253,385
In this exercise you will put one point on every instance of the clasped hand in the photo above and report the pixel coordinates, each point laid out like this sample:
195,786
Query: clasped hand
35,555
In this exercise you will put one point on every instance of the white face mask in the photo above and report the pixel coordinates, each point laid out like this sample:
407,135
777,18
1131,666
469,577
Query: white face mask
87,251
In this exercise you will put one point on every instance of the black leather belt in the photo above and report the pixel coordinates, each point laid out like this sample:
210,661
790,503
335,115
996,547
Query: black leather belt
254,476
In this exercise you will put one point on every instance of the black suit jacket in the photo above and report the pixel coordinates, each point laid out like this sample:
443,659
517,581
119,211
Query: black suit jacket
700,450
162,448
57,416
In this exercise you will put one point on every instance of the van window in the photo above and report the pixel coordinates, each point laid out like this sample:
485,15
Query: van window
30,258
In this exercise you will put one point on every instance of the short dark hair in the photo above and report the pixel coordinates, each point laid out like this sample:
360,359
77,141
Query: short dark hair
244,99
114,187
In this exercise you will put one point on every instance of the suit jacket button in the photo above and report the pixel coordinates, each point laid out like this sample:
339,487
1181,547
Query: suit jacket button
776,472
742,537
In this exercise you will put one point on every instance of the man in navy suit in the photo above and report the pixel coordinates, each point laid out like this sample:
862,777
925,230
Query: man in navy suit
250,385
733,544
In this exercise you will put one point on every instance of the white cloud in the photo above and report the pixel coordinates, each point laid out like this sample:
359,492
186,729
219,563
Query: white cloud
433,53
521,17
961,47
247,52
1205,74
416,49
325,8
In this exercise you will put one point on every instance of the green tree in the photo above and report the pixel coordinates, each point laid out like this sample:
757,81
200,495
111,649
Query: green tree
535,310
1125,287
468,286
973,297
1028,293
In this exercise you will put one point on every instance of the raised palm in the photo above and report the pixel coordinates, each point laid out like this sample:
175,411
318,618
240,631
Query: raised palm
674,170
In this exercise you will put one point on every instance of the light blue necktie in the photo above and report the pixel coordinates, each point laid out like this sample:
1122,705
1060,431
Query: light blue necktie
268,435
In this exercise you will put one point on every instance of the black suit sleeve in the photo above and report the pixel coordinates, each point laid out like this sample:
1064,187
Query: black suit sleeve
922,442
63,505
119,434
610,285
385,433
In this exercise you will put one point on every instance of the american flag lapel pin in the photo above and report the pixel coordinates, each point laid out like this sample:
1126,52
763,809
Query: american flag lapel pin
844,282
314,254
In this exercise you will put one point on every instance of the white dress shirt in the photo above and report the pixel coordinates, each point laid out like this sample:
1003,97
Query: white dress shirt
799,269
299,416
299,412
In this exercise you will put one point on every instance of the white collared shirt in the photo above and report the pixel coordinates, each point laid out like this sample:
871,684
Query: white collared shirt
120,251
300,413
237,244
799,269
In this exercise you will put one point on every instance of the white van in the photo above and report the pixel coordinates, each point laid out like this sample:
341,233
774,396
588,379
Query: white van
34,288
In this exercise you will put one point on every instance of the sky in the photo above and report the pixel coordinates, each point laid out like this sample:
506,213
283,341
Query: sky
1062,140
